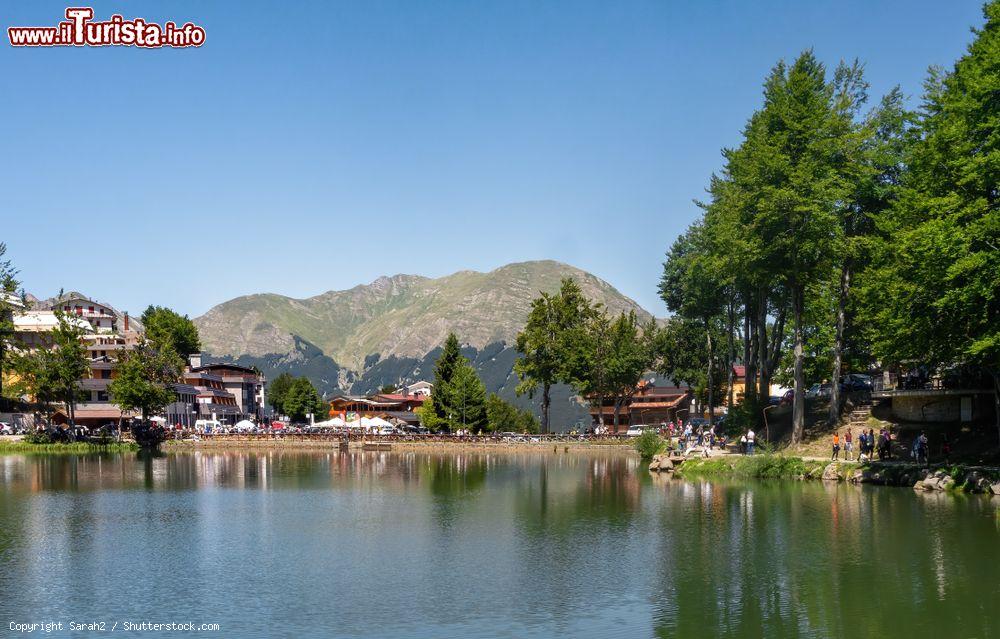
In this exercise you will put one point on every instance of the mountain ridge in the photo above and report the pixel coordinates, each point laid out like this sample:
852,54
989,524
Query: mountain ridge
388,332
403,314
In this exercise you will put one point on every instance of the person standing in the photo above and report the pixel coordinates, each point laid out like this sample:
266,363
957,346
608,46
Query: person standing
836,447
923,449
743,444
751,440
848,445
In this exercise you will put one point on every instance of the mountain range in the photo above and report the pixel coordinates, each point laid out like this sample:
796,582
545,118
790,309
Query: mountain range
390,331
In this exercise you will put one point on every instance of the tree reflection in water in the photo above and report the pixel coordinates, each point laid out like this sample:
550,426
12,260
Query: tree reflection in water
541,543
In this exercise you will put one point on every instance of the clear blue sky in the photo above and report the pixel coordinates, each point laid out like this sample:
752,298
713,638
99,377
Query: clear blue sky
311,146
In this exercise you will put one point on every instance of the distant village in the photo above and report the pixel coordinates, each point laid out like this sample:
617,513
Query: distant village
222,393
225,394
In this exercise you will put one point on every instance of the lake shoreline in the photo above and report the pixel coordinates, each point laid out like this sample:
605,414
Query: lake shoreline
430,446
958,478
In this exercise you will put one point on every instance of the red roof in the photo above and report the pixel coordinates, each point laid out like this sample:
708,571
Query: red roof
396,397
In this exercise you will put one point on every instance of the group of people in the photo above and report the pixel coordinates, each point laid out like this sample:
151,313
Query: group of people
870,444
690,436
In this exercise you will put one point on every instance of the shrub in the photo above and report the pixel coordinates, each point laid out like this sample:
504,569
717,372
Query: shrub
649,444
37,437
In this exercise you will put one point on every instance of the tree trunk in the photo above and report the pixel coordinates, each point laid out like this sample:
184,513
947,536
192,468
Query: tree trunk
618,408
711,398
838,345
731,399
777,337
600,409
546,401
3,355
799,401
764,391
749,345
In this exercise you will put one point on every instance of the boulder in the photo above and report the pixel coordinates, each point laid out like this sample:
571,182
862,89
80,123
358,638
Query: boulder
946,484
832,473
995,488
661,463
979,483
857,476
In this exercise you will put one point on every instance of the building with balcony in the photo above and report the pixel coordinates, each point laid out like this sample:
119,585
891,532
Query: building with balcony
649,404
396,406
244,384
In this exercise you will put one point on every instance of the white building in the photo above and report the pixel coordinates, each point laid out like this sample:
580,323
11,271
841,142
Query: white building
420,388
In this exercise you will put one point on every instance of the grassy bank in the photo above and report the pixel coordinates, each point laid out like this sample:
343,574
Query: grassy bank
939,477
74,448
764,466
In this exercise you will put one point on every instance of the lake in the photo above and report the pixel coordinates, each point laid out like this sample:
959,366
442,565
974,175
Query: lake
476,544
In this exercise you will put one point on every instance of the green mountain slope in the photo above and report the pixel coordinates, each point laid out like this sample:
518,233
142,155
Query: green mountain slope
390,331
405,316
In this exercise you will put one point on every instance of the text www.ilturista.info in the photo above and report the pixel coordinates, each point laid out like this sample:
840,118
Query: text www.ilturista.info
79,30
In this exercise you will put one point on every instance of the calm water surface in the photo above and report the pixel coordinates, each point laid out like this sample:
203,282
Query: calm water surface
305,544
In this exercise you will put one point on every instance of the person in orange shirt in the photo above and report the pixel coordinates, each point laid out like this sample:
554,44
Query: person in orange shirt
836,446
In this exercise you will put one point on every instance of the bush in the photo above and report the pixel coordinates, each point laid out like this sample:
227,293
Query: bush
148,434
649,444
37,437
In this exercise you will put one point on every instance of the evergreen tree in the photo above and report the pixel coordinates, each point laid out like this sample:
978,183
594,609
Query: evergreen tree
466,399
940,284
444,370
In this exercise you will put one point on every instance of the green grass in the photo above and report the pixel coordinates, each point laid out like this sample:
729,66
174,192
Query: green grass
764,466
62,449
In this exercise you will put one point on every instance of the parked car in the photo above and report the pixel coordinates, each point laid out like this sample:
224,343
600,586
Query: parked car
636,430
820,390
856,382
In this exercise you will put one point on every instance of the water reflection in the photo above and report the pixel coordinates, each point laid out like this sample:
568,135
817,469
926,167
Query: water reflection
483,544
